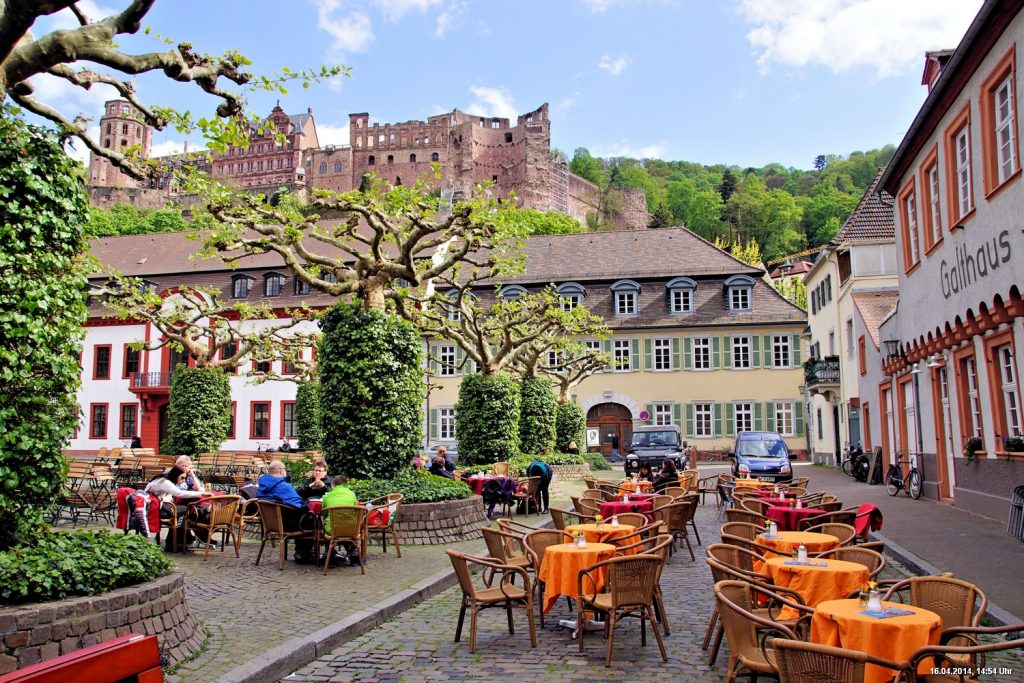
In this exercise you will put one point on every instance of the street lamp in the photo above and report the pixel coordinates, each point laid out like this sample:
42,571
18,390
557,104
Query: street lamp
892,348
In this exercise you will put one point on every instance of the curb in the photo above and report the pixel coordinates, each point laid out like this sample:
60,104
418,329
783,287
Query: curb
996,614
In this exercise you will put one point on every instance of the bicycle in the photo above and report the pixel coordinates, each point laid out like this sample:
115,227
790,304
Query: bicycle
894,479
714,455
850,454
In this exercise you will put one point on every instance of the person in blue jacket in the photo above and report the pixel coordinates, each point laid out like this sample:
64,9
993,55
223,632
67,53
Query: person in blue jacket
539,468
275,487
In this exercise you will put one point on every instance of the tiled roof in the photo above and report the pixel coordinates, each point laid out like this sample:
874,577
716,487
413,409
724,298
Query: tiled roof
298,121
873,220
801,267
874,307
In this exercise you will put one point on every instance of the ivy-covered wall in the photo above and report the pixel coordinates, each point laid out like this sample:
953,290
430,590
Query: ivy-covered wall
199,415
487,419
537,413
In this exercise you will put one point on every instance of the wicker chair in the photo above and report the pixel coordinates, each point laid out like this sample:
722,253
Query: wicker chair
752,546
743,530
741,515
837,517
632,518
705,486
799,482
393,503
755,505
952,599
527,492
875,562
844,532
593,494
272,522
735,602
249,517
674,491
346,523
961,656
505,594
631,584
877,546
674,519
558,516
589,506
688,480
800,662
506,549
500,469
590,482
795,492
223,518
515,528
536,542
660,500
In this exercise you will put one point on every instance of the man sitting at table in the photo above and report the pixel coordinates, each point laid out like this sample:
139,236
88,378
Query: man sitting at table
437,466
317,485
274,486
341,494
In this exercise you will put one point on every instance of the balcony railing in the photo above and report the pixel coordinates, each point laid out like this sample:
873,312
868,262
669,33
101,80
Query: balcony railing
819,371
150,380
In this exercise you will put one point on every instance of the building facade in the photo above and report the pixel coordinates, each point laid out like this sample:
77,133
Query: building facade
951,365
700,341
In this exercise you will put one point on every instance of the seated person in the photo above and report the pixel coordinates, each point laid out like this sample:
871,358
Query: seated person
166,487
341,494
449,464
274,486
191,481
667,476
645,473
317,485
437,466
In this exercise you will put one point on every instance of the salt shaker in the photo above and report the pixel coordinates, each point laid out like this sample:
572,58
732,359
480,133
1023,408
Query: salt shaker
801,553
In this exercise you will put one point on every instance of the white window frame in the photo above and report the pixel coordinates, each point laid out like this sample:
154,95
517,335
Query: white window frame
664,346
740,297
964,189
446,359
973,397
593,345
625,303
782,351
622,350
1005,115
1009,386
552,359
704,419
662,416
705,349
681,301
567,302
914,242
446,424
934,199
746,408
739,344
785,418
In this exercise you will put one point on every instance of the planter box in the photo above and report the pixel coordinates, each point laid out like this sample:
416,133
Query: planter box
41,631
445,522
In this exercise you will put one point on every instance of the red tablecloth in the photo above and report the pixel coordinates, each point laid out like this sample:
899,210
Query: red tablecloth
788,519
477,483
767,493
777,501
615,507
642,496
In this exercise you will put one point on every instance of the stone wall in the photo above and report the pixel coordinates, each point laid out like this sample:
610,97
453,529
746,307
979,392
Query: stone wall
444,522
571,472
34,633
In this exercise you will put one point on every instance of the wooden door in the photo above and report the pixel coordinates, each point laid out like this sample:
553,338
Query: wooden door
613,422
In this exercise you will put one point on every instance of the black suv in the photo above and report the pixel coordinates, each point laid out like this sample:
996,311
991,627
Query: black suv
763,455
651,445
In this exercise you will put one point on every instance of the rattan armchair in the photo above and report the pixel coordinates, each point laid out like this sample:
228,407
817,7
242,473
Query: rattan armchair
272,522
837,517
505,594
636,519
674,491
500,469
589,506
844,532
559,517
959,603
630,584
593,494
747,649
705,486
875,562
223,518
954,657
392,502
743,530
506,549
800,482
674,519
800,662
755,505
743,515
345,524
511,526
536,542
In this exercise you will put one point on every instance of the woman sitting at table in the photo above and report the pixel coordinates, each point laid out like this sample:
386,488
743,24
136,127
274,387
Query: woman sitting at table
166,488
437,466
645,473
667,476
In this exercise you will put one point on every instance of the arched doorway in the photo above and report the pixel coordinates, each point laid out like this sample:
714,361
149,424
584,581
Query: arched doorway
614,423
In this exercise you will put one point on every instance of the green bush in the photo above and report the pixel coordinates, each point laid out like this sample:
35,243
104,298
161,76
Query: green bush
57,565
537,411
418,486
199,415
517,466
298,469
371,391
307,415
597,461
570,427
42,308
487,419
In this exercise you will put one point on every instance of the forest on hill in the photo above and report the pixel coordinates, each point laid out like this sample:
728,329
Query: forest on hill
785,210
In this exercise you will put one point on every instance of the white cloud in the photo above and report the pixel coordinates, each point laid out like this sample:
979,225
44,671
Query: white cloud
70,99
351,32
65,19
614,65
563,105
332,135
77,150
625,149
599,6
452,18
393,10
491,102
887,36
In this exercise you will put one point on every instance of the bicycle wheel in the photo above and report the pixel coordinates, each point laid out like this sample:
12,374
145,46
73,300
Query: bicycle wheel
848,467
893,481
914,484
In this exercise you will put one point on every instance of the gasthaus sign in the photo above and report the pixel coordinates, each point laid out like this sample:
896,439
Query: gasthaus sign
974,262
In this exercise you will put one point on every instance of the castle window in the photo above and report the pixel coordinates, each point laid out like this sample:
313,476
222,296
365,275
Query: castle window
494,178
370,160
337,167
426,140
323,167
125,109
280,162
398,181
495,124
392,137
391,158
124,142
108,129
434,157
106,143
380,138
508,137
240,286
416,141
272,284
412,158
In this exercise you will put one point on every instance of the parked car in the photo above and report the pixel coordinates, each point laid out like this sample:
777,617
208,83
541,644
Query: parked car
651,445
763,455
451,453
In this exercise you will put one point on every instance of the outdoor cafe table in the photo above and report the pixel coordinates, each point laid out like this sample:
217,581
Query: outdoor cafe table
814,583
615,507
750,483
632,486
787,518
641,496
476,484
840,623
785,540
600,533
561,567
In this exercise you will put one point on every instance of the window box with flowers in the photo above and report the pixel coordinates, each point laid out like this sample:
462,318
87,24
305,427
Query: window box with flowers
1013,444
973,448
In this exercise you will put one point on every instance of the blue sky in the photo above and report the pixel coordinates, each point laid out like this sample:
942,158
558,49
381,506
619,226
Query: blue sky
743,82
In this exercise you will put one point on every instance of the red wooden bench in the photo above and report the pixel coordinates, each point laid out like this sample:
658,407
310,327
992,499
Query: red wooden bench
128,659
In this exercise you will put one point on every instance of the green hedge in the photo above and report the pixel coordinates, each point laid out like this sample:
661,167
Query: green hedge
537,412
418,486
570,426
487,419
517,466
59,565
597,461
307,416
371,391
199,415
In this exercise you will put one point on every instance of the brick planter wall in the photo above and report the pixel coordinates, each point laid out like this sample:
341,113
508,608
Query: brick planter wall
444,522
571,472
34,633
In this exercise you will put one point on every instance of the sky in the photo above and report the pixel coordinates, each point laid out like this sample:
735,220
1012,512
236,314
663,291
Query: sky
740,82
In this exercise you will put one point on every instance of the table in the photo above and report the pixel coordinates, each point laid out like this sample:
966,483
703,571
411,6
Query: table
476,484
632,486
641,496
750,484
614,507
785,540
603,533
816,584
787,518
840,624
561,567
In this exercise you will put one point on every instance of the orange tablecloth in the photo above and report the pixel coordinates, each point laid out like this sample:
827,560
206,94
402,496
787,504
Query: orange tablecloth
838,623
785,540
605,533
816,584
631,486
750,483
561,567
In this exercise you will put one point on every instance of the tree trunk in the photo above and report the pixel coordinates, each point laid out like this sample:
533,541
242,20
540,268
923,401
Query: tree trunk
373,292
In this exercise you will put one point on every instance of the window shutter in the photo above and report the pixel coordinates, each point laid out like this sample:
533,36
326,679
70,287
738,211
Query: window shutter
460,355
433,423
687,353
650,413
718,420
769,409
755,350
798,418
470,366
730,419
794,351
647,354
758,416
606,345
769,359
716,354
434,365
675,353
727,354
634,354
689,420
677,417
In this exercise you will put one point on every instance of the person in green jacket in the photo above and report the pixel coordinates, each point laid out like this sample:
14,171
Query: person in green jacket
341,494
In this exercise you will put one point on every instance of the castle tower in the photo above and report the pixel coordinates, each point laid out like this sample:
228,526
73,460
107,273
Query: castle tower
121,127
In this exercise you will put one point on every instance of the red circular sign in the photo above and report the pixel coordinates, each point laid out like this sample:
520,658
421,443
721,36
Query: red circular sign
644,415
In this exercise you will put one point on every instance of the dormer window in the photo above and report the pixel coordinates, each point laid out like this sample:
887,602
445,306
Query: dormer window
680,295
273,283
624,295
739,293
512,292
301,287
451,305
329,277
240,285
570,295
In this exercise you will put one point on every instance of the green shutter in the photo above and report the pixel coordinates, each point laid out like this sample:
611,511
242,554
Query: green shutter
794,352
769,361
755,351
718,420
675,353
606,344
648,363
677,415
470,366
433,423
689,420
687,353
435,367
634,354
758,413
730,419
798,420
650,413
769,409
727,353
460,355
716,353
